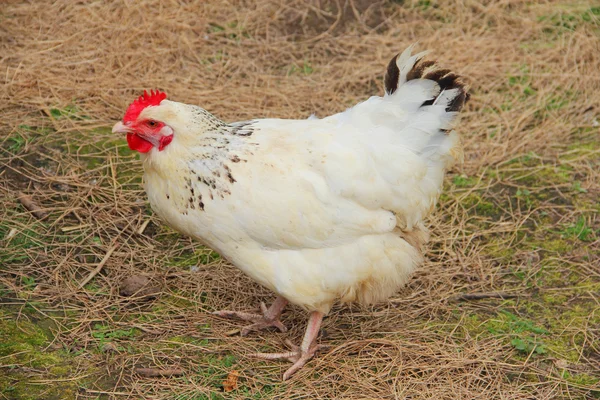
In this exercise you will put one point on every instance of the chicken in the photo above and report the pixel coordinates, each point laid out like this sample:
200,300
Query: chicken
316,210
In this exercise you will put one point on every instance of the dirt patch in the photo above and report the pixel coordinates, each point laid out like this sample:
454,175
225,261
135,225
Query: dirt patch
139,286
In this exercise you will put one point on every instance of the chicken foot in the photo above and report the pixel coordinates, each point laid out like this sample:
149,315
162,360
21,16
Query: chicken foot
270,317
299,355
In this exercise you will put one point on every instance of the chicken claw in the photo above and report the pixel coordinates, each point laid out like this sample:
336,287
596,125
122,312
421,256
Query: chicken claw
269,318
299,354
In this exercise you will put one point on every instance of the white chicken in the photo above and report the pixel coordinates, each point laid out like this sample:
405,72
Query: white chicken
316,210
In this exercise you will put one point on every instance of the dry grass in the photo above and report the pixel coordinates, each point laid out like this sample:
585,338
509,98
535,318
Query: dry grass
520,218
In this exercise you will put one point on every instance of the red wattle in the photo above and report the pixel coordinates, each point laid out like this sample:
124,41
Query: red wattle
137,143
164,141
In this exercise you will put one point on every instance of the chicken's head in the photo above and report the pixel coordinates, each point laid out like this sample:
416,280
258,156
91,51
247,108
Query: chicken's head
143,123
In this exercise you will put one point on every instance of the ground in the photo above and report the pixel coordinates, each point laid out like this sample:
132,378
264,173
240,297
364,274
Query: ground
517,224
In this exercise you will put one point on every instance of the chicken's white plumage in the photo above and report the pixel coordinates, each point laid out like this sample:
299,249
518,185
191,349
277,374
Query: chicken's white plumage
317,210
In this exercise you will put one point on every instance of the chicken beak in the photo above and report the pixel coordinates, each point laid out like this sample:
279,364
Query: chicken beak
121,128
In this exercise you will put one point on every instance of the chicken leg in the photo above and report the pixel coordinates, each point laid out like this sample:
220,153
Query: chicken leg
299,354
269,317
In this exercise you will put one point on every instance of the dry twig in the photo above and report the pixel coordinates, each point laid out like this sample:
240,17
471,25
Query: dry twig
99,267
29,204
156,372
479,296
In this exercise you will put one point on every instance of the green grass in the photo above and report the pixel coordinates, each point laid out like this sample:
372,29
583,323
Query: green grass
578,230
191,257
25,345
522,334
27,236
71,111
304,69
106,334
462,181
570,19
539,325
231,30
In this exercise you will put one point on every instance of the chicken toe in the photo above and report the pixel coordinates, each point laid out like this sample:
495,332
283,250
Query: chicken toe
299,355
269,318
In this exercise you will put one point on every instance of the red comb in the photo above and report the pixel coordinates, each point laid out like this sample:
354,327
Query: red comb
145,100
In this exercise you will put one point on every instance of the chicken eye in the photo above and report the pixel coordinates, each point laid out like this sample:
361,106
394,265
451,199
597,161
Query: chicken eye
151,123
